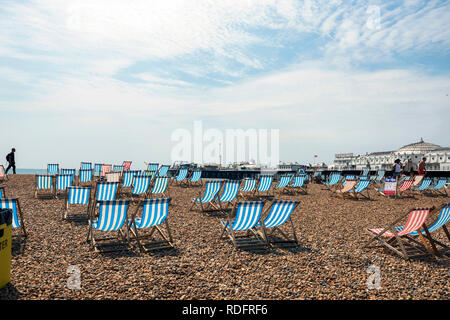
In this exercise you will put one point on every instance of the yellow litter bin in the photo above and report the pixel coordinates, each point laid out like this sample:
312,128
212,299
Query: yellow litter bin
5,246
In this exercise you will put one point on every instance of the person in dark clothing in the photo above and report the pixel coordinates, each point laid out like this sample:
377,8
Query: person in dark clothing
11,161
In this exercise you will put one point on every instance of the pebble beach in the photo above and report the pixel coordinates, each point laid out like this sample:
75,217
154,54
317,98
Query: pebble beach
329,263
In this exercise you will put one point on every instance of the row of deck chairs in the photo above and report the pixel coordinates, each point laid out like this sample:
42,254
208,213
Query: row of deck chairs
409,186
183,178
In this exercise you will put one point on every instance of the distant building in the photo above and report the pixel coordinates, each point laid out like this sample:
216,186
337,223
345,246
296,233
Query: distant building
438,158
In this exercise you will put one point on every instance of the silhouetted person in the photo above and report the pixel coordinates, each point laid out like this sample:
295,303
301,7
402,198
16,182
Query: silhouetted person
11,161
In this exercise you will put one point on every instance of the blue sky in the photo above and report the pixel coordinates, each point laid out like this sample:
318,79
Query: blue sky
105,81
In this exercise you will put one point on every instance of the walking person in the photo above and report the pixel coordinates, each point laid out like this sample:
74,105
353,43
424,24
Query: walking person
408,167
11,161
397,168
422,167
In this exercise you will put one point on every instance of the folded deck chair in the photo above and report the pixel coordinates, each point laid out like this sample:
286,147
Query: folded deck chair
181,176
17,217
397,241
127,165
346,188
111,218
106,168
3,175
141,186
298,185
153,167
63,181
112,177
162,172
85,176
440,188
159,187
98,169
424,185
247,218
118,168
280,212
212,188
195,178
150,215
283,182
264,189
52,169
2,193
228,196
77,196
86,166
360,188
248,187
44,186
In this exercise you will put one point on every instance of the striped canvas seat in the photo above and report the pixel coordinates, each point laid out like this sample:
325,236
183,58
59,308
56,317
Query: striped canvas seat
349,185
284,181
424,185
77,196
85,176
17,218
112,176
401,244
98,169
153,167
229,194
127,165
106,191
162,172
140,185
160,186
53,168
249,186
182,174
333,180
212,188
298,184
195,177
441,221
112,216
247,218
86,166
405,186
361,186
44,183
264,186
128,177
118,168
154,213
63,181
106,168
439,188
68,171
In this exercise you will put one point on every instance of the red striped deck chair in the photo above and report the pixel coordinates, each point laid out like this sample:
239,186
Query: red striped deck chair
396,238
126,165
406,186
349,185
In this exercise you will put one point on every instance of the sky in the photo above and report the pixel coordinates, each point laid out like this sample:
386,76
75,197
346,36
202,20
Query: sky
108,80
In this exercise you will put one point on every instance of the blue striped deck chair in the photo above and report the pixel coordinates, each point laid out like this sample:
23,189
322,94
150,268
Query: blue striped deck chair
85,176
333,180
212,188
229,194
63,181
248,187
440,188
264,187
86,166
52,169
149,173
118,168
106,191
162,172
44,186
360,188
247,218
2,193
298,185
280,212
141,186
98,169
150,215
77,196
17,217
426,183
153,167
195,178
128,177
181,176
112,217
159,187
283,182
68,171
3,174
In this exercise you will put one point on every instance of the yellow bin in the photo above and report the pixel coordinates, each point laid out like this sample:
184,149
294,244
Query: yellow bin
5,247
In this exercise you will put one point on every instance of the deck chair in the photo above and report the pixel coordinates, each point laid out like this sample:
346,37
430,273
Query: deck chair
52,169
405,187
112,177
152,215
439,188
153,167
17,217
298,185
3,175
181,176
127,165
44,186
195,178
264,189
159,187
2,193
85,177
212,188
68,171
379,178
280,212
283,182
77,196
360,188
106,191
424,185
397,241
247,218
98,169
162,172
63,181
118,168
248,187
228,196
150,173
333,180
111,218
106,168
141,186
346,188
86,166
127,181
